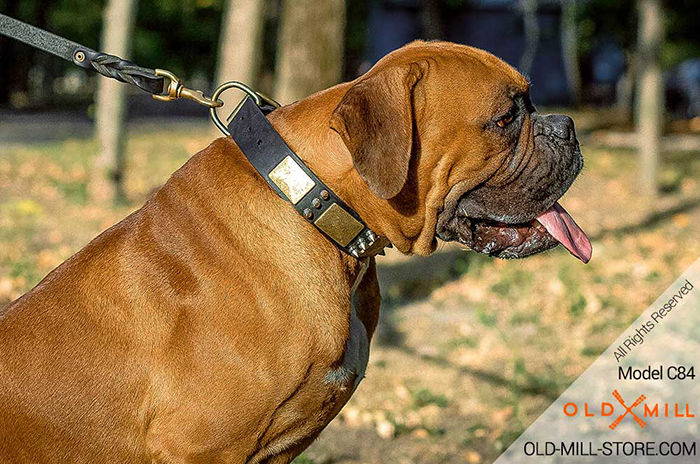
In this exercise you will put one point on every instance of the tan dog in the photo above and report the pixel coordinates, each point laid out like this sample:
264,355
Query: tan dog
215,325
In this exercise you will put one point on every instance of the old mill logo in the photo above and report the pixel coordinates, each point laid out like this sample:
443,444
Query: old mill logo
628,409
638,410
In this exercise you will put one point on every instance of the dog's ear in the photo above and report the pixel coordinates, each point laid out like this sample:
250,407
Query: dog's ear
375,120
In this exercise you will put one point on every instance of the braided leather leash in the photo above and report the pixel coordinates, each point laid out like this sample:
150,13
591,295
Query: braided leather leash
152,81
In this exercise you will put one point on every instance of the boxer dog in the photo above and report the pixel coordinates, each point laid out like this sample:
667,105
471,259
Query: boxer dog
216,325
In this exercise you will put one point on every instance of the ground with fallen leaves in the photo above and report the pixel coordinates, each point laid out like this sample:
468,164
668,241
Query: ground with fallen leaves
470,350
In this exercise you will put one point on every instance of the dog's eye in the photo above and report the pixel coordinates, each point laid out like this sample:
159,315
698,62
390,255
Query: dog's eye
507,119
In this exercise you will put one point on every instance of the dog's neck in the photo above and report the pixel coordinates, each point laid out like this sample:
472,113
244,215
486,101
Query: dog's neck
305,127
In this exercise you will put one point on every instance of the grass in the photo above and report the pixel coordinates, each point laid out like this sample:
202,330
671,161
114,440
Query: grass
424,397
502,339
480,347
304,460
46,213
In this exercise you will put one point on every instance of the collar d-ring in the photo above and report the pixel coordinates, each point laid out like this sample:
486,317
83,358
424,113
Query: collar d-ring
258,98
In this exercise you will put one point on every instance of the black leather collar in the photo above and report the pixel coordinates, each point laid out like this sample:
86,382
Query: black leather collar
287,174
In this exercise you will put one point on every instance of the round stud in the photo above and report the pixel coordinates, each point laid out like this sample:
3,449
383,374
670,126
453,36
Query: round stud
325,195
316,203
79,56
308,214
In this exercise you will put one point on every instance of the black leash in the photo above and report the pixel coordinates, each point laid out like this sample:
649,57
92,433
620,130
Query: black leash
152,81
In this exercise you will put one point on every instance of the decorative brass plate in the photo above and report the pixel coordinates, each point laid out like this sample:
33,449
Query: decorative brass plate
339,224
291,179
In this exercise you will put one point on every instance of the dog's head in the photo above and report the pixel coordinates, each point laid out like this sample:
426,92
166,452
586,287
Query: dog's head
447,134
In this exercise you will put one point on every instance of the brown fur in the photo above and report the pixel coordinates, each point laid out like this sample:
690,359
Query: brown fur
200,329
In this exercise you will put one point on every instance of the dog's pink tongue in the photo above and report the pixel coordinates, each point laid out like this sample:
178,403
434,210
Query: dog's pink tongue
562,226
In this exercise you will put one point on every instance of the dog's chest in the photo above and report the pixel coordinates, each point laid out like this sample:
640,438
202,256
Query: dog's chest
356,356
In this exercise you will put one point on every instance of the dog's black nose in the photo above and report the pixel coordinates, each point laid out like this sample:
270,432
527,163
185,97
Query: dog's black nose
561,125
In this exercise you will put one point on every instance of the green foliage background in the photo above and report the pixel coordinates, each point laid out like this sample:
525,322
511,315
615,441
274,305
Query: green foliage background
182,35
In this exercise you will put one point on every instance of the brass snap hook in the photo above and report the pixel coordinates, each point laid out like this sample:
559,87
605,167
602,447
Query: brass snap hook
258,98
177,90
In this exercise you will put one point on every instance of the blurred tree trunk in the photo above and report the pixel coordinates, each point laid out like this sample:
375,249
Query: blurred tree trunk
569,46
624,92
310,49
42,91
107,180
434,20
650,91
240,47
532,34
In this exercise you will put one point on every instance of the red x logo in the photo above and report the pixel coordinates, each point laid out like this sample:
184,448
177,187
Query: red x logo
628,410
